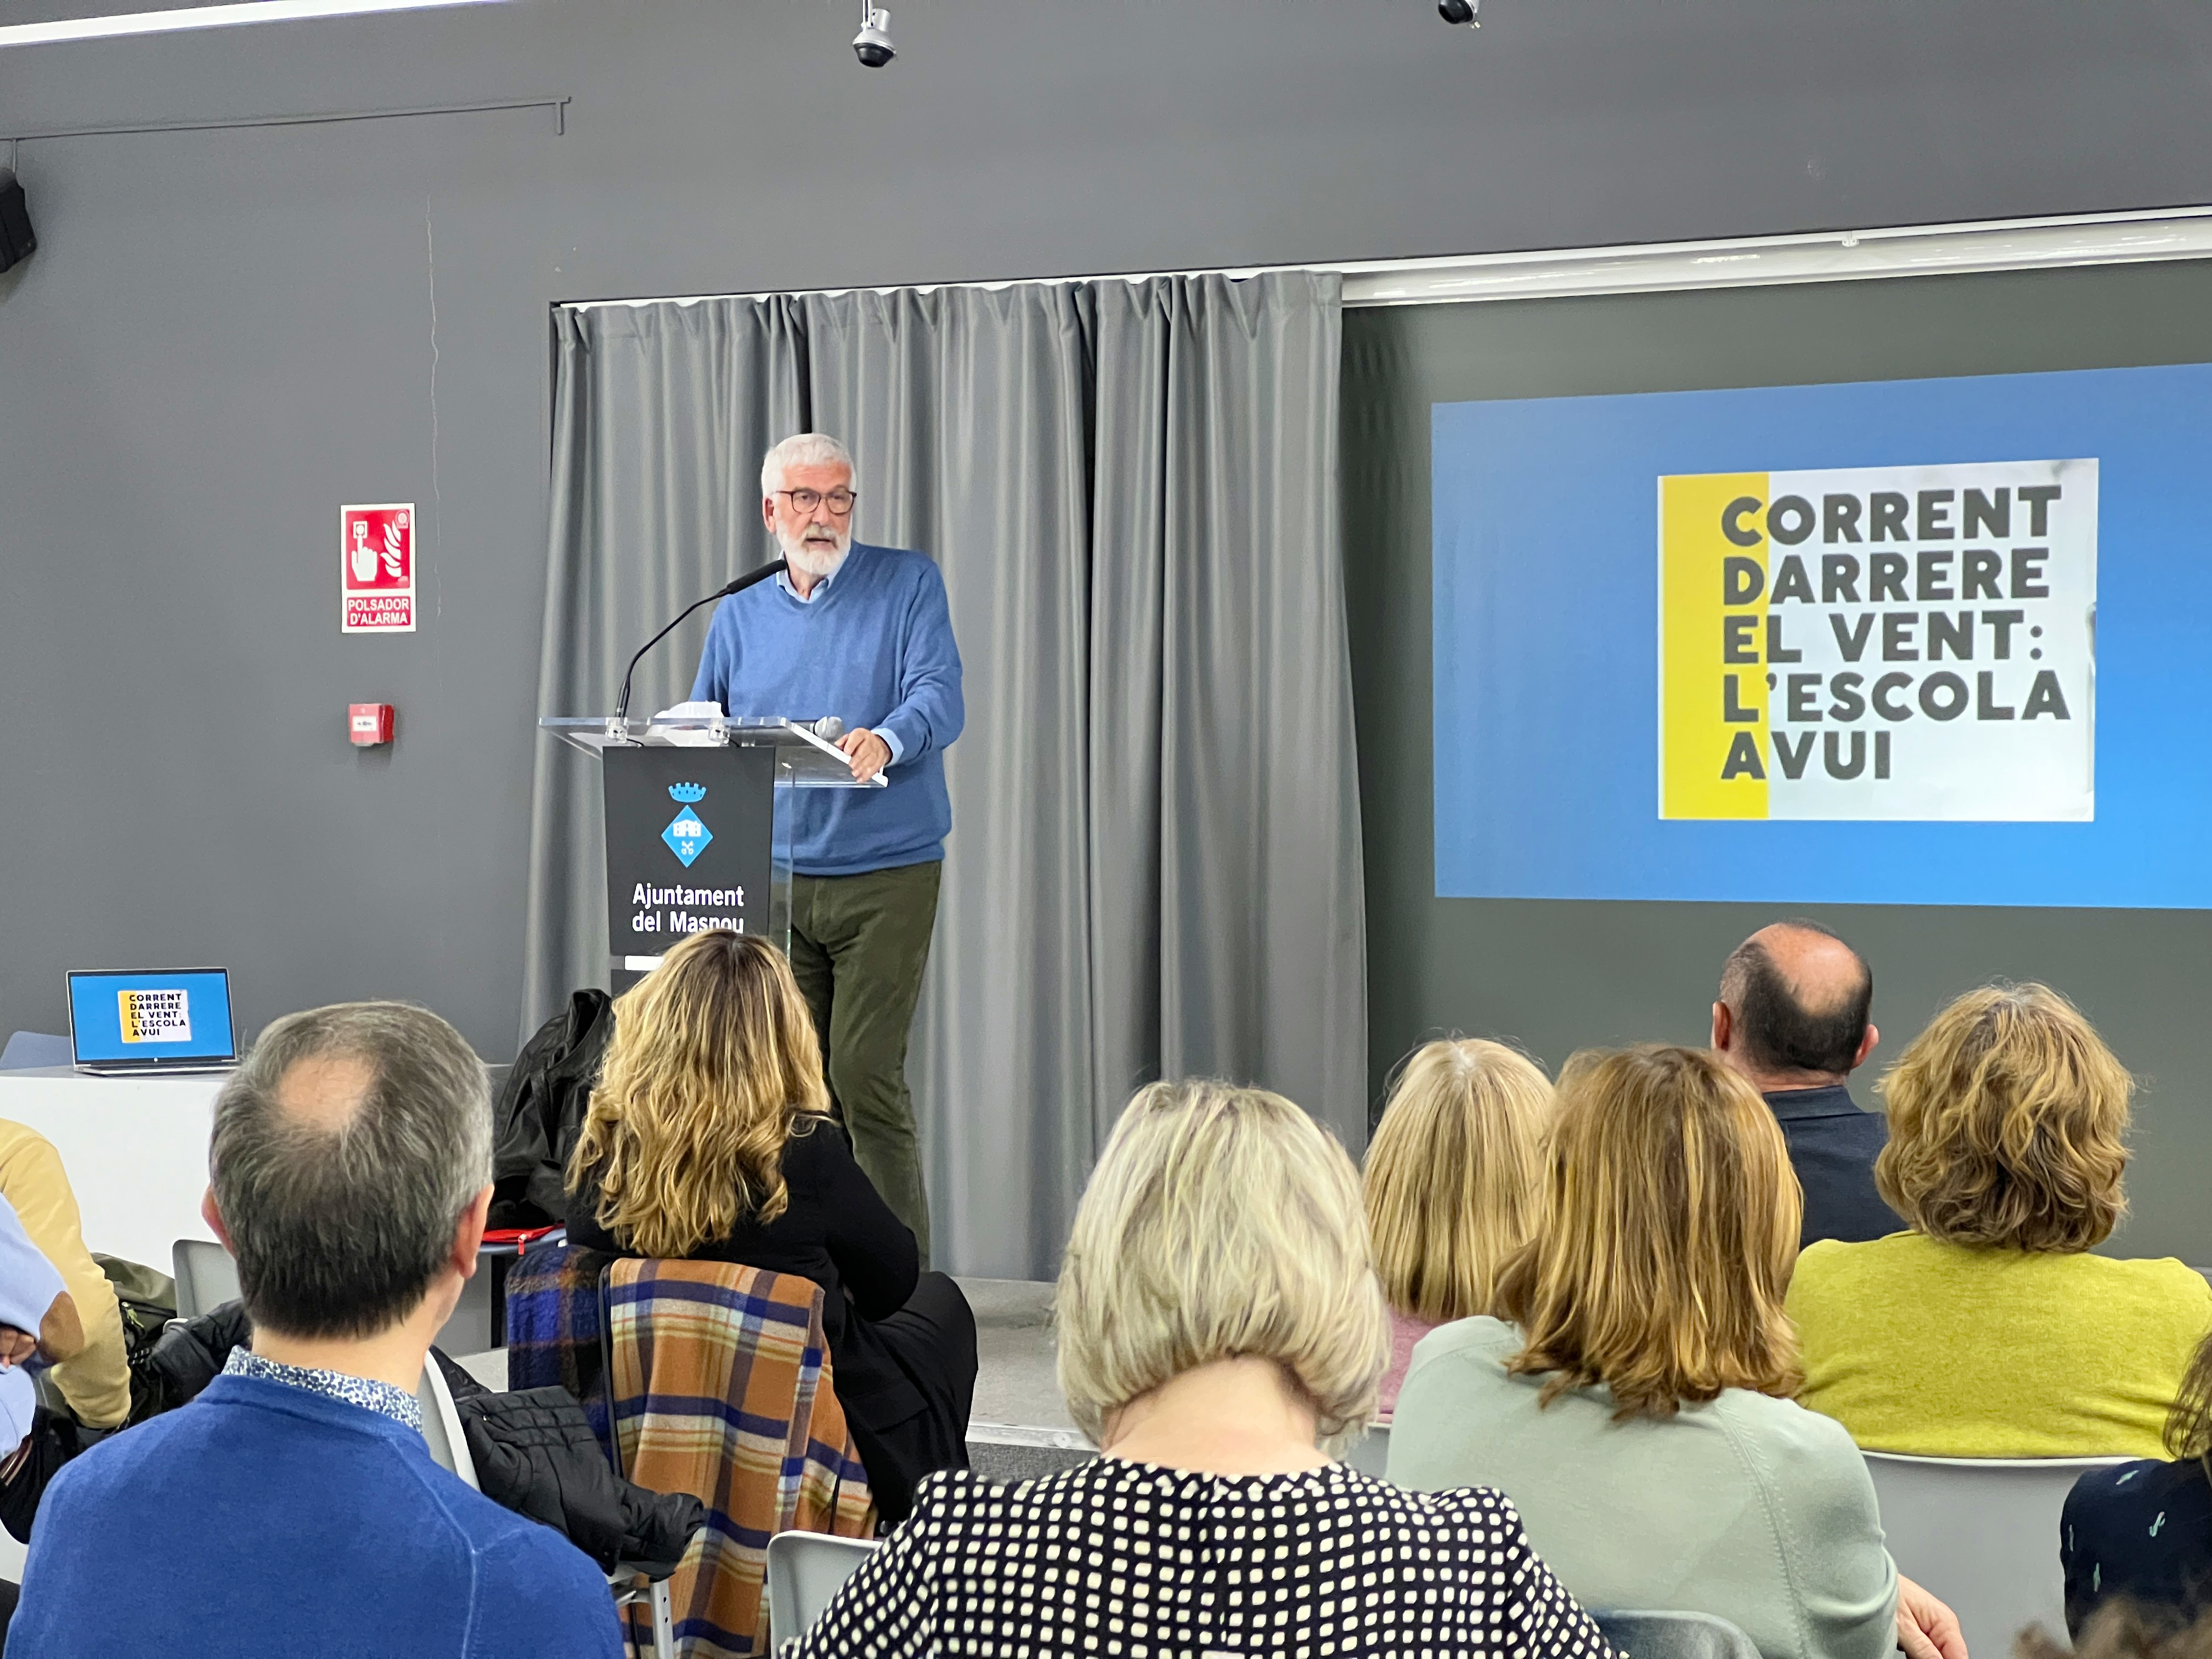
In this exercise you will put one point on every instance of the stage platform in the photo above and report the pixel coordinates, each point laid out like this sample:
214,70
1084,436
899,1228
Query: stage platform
1019,1426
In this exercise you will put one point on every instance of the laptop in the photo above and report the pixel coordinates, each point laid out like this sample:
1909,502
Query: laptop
133,1024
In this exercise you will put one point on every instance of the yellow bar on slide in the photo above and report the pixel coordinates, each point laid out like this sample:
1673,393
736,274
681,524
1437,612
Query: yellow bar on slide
1696,739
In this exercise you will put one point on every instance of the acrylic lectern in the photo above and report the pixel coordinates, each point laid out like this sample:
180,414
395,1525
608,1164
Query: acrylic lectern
698,824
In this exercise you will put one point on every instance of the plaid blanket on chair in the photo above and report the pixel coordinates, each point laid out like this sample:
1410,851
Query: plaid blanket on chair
553,1326
722,1389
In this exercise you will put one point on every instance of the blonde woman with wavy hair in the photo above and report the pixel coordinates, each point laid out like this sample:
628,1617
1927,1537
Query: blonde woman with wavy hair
1451,1186
1633,1391
708,1137
1220,1333
1987,1329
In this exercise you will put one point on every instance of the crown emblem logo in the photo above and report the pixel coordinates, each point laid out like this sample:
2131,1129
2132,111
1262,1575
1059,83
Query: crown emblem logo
687,793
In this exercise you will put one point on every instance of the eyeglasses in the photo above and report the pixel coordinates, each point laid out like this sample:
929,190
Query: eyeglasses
839,502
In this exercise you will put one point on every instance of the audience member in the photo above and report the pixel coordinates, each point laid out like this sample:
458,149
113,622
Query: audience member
1638,1405
293,1506
1989,1330
1793,1016
38,1320
2141,1531
95,1380
707,1138
1216,1319
1451,1187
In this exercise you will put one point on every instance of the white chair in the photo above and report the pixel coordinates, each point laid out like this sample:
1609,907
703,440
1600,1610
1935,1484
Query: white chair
449,1449
1371,1453
207,1276
1981,1534
804,1571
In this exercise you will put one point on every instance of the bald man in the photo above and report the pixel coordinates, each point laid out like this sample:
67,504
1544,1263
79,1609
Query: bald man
1793,1018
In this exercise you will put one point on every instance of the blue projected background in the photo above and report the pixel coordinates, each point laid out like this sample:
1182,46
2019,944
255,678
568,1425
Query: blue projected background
95,1021
1546,642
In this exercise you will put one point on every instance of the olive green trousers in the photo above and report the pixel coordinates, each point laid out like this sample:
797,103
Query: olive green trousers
858,945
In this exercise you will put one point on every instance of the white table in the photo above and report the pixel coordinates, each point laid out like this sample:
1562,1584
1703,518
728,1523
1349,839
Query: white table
135,1148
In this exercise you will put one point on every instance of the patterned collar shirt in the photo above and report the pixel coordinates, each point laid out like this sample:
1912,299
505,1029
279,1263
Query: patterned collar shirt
365,1392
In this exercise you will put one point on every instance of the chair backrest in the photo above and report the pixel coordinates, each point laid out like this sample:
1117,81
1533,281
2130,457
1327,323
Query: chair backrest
1371,1453
1981,1534
804,1571
207,1276
442,1424
36,1051
1654,1635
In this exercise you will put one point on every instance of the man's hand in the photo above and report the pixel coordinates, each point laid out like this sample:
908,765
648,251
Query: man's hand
1926,1629
15,1347
869,753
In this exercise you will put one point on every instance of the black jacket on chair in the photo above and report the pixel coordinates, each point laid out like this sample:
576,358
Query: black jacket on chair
540,1111
535,1454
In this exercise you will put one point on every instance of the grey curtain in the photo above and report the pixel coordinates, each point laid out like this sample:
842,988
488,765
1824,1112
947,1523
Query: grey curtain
1131,489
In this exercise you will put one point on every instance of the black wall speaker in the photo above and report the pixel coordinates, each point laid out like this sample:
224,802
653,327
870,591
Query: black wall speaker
17,241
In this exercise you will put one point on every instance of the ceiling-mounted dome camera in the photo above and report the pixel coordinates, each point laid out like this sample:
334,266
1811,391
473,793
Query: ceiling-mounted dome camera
1457,11
872,45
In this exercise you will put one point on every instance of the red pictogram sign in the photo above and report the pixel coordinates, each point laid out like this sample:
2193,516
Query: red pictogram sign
376,562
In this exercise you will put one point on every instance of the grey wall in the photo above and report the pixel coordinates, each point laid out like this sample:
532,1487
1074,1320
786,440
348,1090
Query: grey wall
228,334
1555,976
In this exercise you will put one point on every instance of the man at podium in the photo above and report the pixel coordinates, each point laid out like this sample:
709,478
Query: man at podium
862,633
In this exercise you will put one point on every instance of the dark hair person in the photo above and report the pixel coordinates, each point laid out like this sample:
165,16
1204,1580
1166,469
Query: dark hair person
293,1506
1795,1017
1989,1330
709,1138
1633,1393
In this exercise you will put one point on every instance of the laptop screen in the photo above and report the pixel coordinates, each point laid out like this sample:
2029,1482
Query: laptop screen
145,1019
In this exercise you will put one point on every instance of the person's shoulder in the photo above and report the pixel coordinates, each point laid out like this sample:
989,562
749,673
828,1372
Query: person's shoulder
1470,1513
2161,1272
1837,1260
1481,1341
537,1592
816,1151
1786,1436
2114,1498
120,1469
903,567
2162,1291
23,1148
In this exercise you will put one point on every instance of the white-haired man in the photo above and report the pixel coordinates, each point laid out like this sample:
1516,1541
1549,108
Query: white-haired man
862,633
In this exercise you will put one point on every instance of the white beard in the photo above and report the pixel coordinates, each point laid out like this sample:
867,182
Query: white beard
814,559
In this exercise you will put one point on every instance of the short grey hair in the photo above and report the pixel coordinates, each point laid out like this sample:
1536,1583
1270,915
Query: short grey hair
340,1228
1221,1222
803,449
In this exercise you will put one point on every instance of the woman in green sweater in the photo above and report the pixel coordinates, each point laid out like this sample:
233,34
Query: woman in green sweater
1634,1400
1988,1329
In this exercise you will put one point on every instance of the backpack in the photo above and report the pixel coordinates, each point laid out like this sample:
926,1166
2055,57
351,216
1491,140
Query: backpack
540,1111
147,1299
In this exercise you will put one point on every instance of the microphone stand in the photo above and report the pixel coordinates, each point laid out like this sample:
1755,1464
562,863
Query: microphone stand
750,577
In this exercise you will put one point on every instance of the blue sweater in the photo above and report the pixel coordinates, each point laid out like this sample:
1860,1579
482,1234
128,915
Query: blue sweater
263,1519
874,649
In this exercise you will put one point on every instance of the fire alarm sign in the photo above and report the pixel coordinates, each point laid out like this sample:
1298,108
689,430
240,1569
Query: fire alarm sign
376,565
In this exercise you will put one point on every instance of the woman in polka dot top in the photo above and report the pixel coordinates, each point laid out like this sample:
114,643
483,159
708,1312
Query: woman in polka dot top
1221,1333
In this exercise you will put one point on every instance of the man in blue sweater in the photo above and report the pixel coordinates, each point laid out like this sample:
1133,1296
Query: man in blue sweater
862,633
293,1508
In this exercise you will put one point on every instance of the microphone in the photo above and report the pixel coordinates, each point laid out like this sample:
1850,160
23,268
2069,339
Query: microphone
622,703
